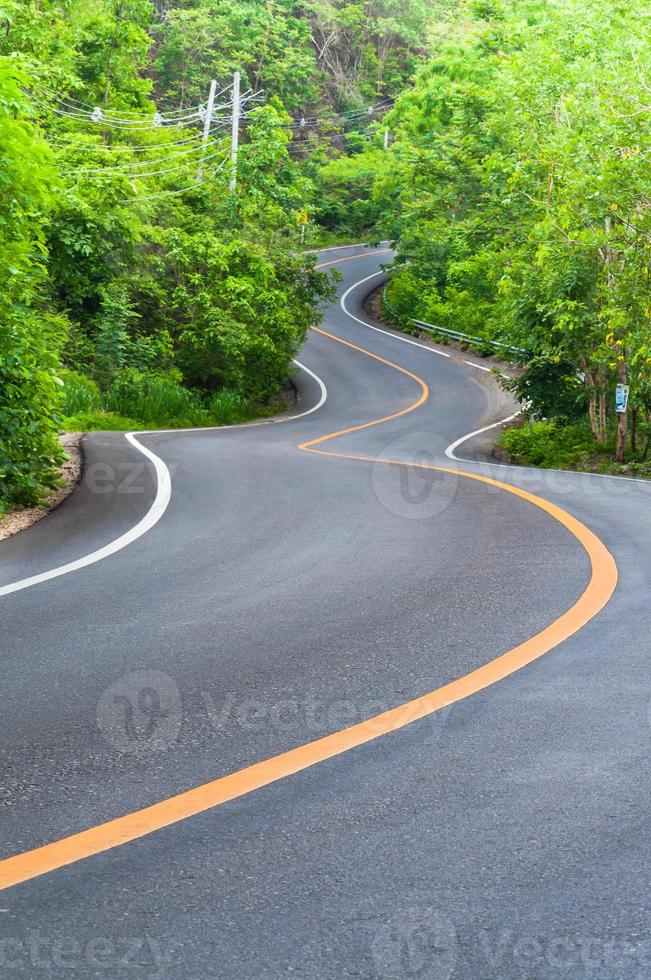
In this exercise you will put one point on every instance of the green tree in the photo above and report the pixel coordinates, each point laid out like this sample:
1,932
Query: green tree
519,191
29,337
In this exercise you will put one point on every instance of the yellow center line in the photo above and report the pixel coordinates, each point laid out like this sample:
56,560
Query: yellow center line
131,826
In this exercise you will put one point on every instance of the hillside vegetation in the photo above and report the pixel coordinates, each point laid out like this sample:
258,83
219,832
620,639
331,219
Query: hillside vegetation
519,195
136,289
503,145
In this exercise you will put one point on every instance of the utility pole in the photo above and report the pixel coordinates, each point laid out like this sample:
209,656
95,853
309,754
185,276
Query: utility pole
235,131
206,125
386,138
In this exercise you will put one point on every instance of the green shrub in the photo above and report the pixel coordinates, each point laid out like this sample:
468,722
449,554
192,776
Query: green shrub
80,393
550,389
346,202
550,445
404,293
139,400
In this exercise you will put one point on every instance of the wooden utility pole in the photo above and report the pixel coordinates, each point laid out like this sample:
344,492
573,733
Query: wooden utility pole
206,125
235,131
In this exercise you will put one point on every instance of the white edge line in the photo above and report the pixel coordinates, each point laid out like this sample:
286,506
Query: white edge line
161,500
250,425
405,340
449,452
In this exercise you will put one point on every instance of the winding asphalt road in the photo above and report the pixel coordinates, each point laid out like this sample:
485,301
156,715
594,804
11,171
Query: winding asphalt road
202,774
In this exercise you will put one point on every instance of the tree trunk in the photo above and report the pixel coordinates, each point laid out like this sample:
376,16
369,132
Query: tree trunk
602,410
596,405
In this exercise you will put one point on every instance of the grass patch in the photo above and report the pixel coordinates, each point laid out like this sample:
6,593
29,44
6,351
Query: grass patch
148,401
100,421
228,407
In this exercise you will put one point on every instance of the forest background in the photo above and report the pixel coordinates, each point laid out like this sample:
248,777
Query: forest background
503,146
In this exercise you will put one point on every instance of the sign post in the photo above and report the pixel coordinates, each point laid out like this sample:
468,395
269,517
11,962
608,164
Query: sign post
302,219
621,398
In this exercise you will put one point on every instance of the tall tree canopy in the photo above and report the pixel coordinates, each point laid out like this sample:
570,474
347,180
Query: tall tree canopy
519,193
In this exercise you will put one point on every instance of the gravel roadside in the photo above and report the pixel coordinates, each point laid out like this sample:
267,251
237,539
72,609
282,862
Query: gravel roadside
24,517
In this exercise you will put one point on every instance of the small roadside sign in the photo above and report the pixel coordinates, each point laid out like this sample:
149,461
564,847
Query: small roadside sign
621,398
301,217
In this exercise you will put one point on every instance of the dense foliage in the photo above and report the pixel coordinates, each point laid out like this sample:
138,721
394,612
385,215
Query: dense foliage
519,196
29,333
139,290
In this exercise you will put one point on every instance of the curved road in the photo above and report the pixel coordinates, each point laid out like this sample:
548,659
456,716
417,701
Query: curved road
350,709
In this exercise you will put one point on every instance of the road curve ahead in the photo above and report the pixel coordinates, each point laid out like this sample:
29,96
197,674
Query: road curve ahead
316,697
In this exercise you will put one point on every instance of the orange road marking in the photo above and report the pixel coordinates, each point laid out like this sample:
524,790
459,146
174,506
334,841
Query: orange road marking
104,837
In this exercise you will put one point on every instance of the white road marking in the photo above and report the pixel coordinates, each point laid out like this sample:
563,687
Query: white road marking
251,425
152,517
405,340
449,452
161,500
480,367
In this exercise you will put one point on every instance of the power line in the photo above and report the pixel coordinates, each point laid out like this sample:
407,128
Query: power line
97,117
310,122
121,167
140,176
85,107
157,120
105,114
197,114
117,148
180,190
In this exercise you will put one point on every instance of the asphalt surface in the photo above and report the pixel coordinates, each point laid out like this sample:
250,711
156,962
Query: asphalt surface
283,596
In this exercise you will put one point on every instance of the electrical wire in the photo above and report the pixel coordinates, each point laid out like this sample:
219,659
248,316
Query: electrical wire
121,121
122,168
310,122
147,174
86,109
192,114
181,190
107,114
105,123
117,148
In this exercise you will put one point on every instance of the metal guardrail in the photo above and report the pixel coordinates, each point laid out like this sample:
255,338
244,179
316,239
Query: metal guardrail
463,338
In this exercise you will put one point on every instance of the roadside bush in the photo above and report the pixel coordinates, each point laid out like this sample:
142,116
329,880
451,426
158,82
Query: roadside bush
345,192
404,292
29,398
550,389
157,399
100,421
238,312
548,444
228,406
